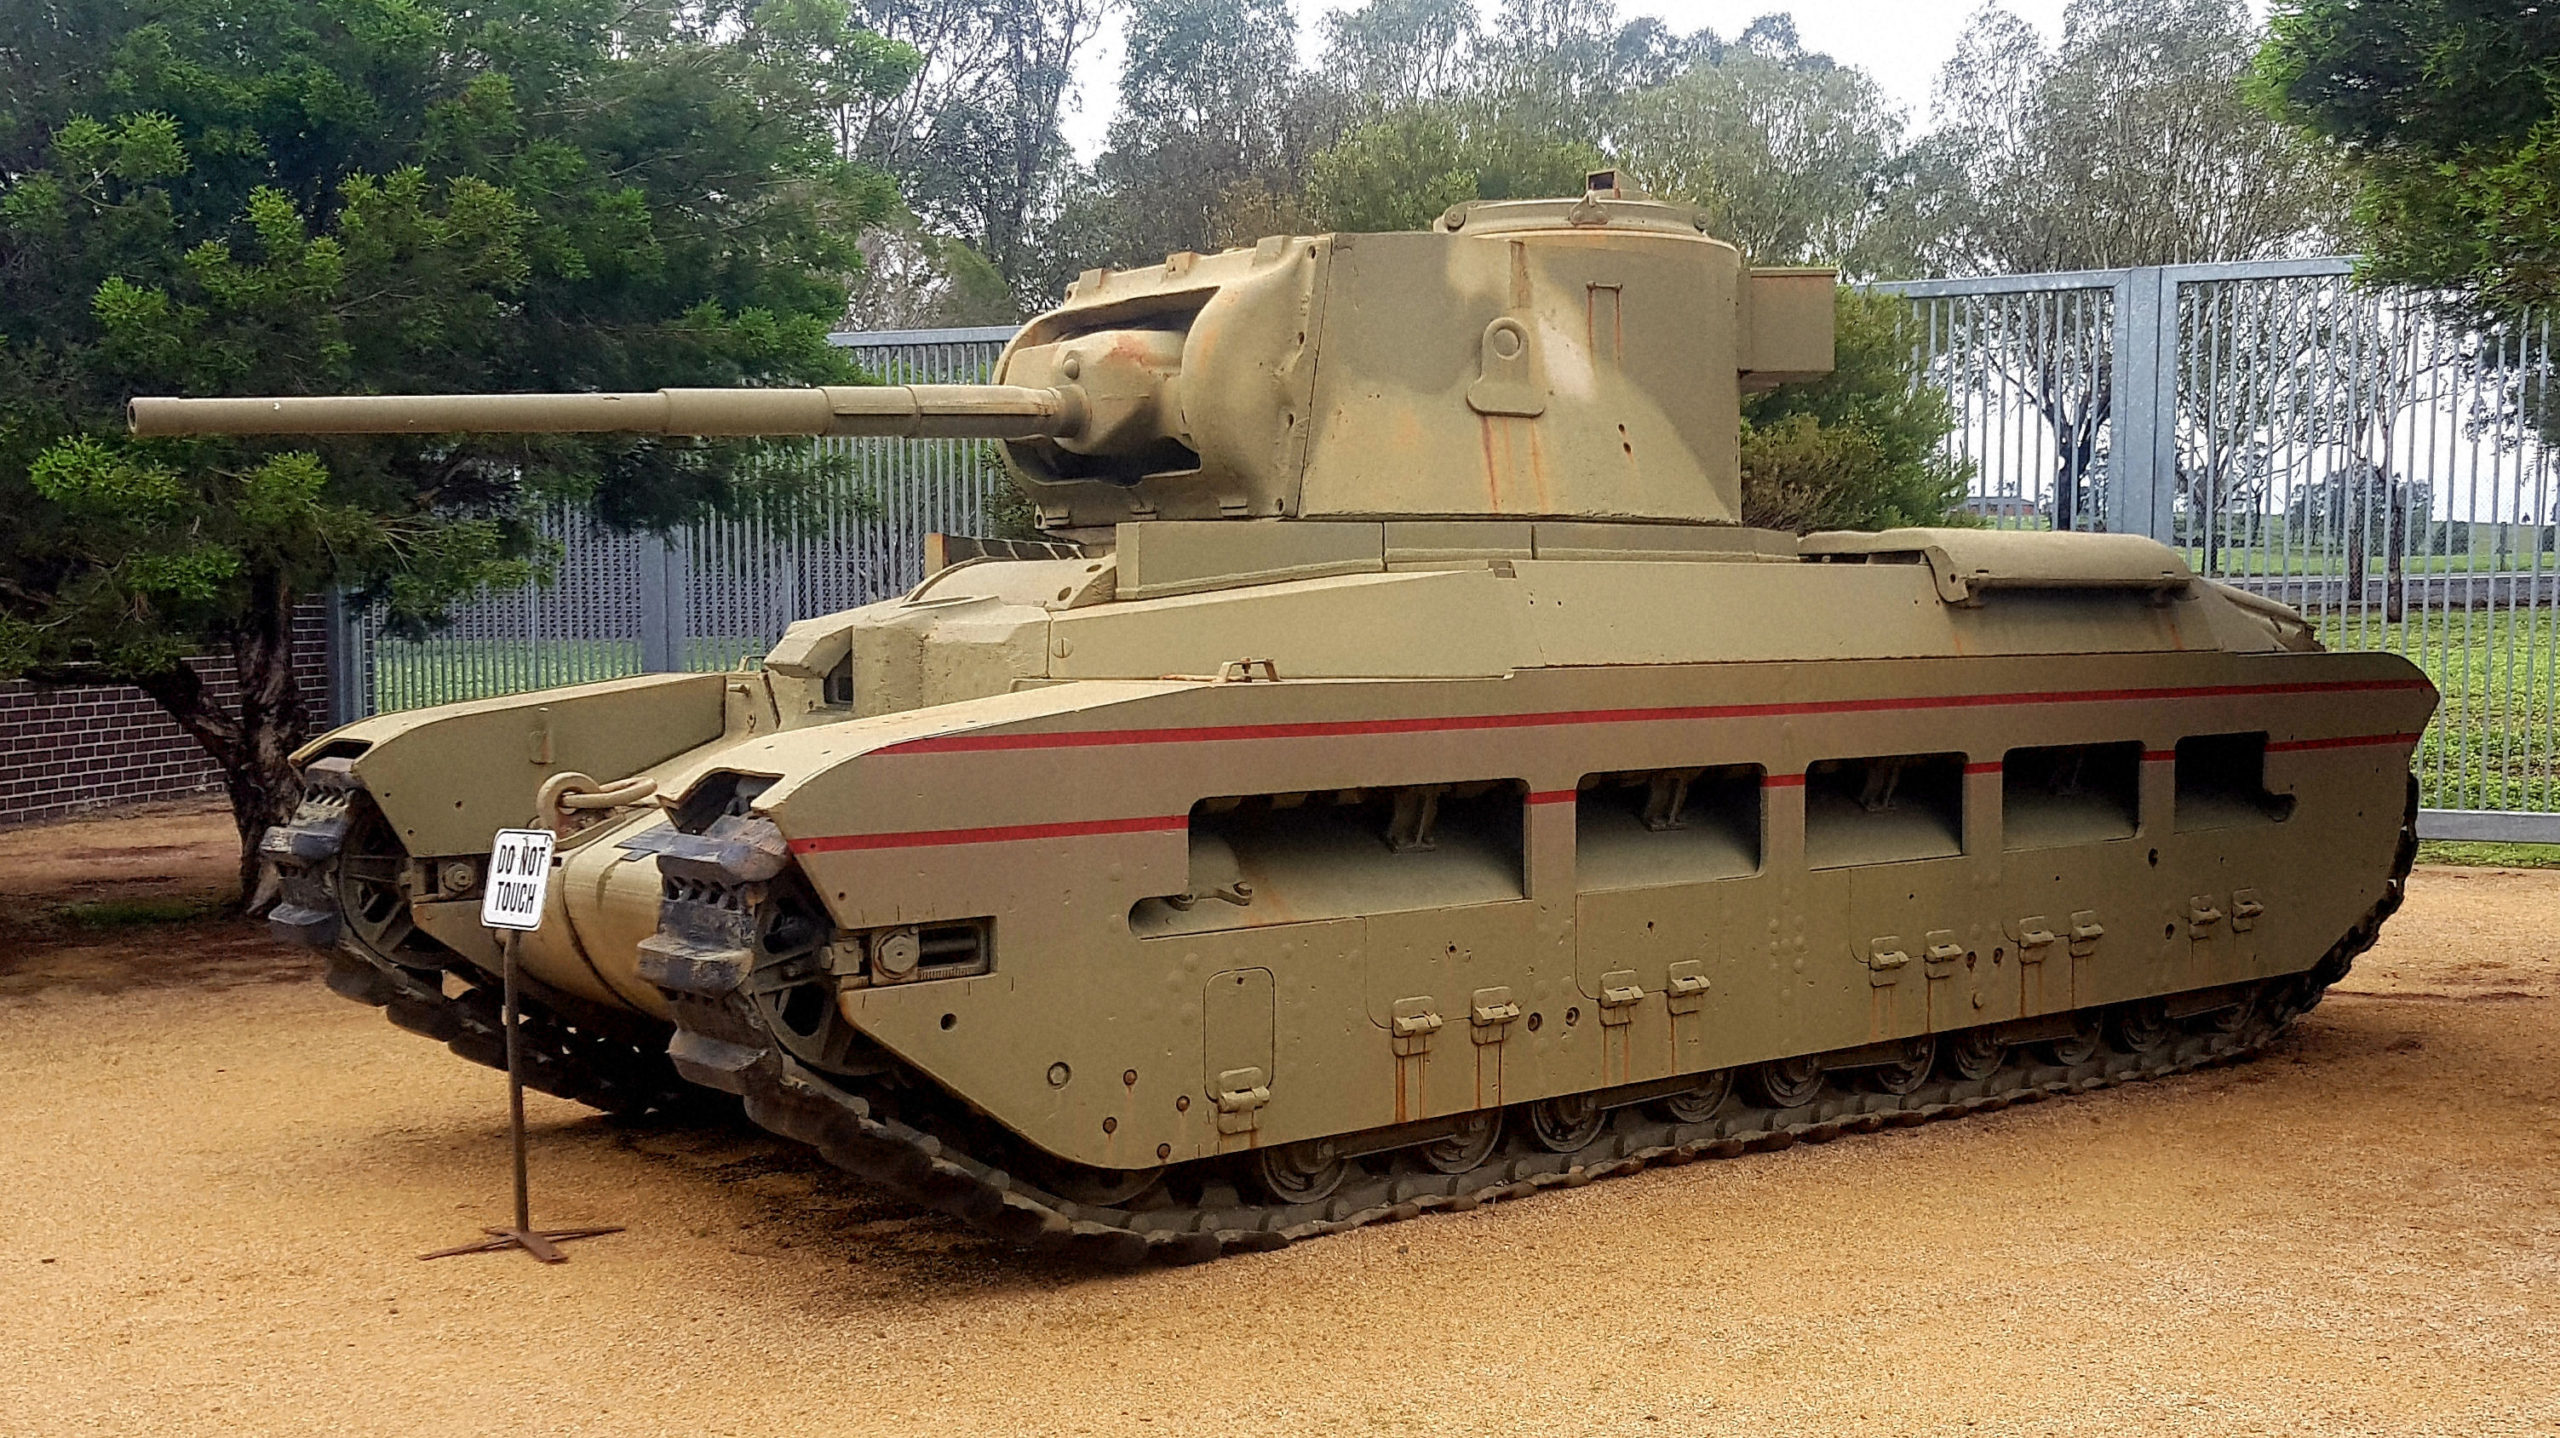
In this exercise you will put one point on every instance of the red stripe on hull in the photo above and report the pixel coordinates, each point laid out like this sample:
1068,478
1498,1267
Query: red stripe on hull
2352,741
923,838
1005,834
1210,734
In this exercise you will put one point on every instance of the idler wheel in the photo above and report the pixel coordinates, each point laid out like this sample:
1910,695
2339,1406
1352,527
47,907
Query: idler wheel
1307,1171
2140,1028
1699,1104
790,984
1463,1150
1905,1074
1567,1124
2080,1047
1971,1054
1787,1083
368,884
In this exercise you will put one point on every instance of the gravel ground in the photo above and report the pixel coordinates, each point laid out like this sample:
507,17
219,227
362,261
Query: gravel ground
215,1178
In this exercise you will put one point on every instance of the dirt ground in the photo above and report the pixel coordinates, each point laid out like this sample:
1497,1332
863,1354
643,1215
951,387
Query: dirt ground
216,1177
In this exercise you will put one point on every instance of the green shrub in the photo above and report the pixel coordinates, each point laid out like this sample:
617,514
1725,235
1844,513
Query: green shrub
1863,447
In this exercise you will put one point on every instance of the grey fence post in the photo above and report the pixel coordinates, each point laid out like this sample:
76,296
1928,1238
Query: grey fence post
344,635
2142,406
662,606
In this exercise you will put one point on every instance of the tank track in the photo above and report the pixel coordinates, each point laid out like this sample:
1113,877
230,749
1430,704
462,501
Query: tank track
589,1063
722,1041
572,1049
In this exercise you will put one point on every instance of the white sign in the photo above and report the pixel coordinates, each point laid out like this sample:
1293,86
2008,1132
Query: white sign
519,875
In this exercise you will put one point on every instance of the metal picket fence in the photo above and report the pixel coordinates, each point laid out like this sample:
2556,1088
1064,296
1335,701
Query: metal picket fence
717,594
2359,453
2354,452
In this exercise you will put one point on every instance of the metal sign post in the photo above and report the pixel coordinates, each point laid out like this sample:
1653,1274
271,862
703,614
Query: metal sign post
519,879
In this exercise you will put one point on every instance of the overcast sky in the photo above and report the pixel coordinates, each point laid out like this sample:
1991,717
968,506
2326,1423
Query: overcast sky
1900,42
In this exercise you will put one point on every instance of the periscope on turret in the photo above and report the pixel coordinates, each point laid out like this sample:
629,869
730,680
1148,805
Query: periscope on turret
1394,779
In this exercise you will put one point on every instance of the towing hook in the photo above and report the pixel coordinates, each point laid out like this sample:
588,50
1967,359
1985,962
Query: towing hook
566,791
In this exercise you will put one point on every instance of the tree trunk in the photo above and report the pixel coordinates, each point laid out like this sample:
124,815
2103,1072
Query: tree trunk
2395,542
252,745
2358,537
2075,438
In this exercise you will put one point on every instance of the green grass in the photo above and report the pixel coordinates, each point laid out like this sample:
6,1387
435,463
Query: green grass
2275,563
412,675
716,653
442,671
2495,742
2490,856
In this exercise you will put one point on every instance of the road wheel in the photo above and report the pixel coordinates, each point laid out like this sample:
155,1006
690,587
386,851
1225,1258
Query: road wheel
1971,1055
2080,1046
1906,1074
1307,1171
1699,1104
2140,1028
1787,1083
1567,1124
1463,1150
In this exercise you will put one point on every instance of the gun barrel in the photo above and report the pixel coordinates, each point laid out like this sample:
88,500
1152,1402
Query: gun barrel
923,411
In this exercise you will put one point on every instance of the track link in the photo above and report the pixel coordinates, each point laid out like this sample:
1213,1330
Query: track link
785,1097
722,1041
603,1068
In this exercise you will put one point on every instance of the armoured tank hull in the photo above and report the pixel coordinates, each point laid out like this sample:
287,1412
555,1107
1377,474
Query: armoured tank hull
1429,889
1396,781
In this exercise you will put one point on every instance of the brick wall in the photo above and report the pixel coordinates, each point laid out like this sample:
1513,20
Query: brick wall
66,750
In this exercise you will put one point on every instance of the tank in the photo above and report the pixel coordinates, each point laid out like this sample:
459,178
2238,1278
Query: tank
1394,781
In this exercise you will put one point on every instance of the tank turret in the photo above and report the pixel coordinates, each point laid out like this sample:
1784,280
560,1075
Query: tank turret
1522,359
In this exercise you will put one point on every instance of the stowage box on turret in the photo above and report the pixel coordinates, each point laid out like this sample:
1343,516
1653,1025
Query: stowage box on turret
1395,781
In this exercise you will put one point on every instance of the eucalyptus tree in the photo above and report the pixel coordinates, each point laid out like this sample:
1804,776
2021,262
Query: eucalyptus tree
2131,142
1205,106
2447,114
975,138
1390,55
1792,156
